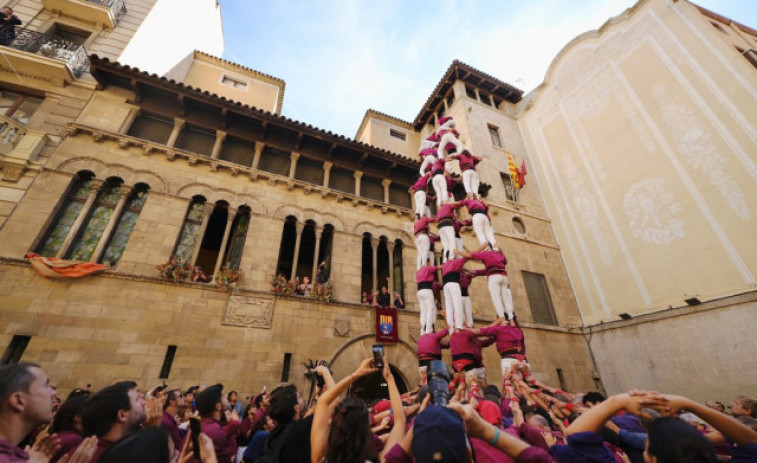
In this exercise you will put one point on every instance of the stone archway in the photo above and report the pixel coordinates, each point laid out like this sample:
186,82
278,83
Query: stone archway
401,355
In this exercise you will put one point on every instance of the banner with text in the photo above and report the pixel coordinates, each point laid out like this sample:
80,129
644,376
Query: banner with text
386,325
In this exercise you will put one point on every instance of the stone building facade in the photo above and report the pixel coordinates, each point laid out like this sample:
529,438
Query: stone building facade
121,166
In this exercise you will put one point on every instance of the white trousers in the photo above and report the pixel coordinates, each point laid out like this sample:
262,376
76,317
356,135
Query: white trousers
483,229
422,246
449,137
502,298
428,310
459,243
468,311
440,187
428,161
420,203
447,237
471,181
453,303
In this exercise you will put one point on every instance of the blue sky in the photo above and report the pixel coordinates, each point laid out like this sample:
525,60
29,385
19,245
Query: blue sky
342,57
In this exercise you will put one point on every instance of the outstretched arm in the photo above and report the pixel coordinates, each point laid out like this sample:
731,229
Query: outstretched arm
738,432
400,420
320,429
594,418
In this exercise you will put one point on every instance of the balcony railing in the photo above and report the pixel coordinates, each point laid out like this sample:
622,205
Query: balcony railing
117,7
74,55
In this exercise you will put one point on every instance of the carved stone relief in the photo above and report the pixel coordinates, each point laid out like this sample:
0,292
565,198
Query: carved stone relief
342,328
249,311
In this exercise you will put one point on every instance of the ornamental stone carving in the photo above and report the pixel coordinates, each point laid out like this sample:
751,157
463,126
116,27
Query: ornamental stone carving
249,311
342,328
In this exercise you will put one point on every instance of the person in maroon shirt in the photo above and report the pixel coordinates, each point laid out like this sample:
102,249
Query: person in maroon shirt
174,400
482,225
510,345
113,412
468,168
211,403
430,347
67,423
419,189
422,243
466,278
25,403
439,182
445,218
453,299
494,263
424,279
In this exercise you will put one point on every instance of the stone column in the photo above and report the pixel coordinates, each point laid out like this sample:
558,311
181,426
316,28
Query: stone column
206,218
374,245
293,164
390,283
358,175
231,212
220,138
385,183
129,121
326,173
93,192
296,258
258,151
178,124
318,233
112,222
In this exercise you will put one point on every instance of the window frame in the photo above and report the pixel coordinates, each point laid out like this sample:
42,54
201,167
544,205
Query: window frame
494,135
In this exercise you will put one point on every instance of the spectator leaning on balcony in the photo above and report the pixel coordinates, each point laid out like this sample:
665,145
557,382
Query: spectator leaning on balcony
8,23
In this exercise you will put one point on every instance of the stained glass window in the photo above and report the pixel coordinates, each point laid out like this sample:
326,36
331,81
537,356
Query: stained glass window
89,236
74,203
236,243
190,232
126,223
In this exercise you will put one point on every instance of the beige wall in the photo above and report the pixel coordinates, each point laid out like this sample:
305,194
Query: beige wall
107,328
261,91
705,352
644,136
376,132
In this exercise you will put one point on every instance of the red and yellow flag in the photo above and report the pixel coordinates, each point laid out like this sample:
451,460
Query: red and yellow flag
514,174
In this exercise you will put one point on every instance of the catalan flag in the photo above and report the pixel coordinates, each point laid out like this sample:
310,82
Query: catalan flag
514,175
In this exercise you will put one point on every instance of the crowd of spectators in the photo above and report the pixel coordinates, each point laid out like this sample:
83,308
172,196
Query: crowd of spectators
524,420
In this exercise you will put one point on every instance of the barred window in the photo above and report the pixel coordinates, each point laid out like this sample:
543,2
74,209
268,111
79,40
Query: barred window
56,235
126,223
542,310
89,236
190,231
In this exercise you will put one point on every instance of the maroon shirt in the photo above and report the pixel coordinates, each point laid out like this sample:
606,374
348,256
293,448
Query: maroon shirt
447,211
429,345
169,424
426,274
224,438
494,262
438,166
68,440
463,342
508,337
421,225
474,205
10,453
102,446
421,184
468,162
453,266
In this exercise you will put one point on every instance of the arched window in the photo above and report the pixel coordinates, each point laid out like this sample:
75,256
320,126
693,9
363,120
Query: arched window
127,221
56,235
382,263
398,278
306,252
286,248
85,243
212,240
190,231
324,252
366,284
237,238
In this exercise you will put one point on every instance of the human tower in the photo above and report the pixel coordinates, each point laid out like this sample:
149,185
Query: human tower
437,152
465,343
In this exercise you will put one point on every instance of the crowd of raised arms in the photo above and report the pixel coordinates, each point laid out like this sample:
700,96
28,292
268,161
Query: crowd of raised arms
461,420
